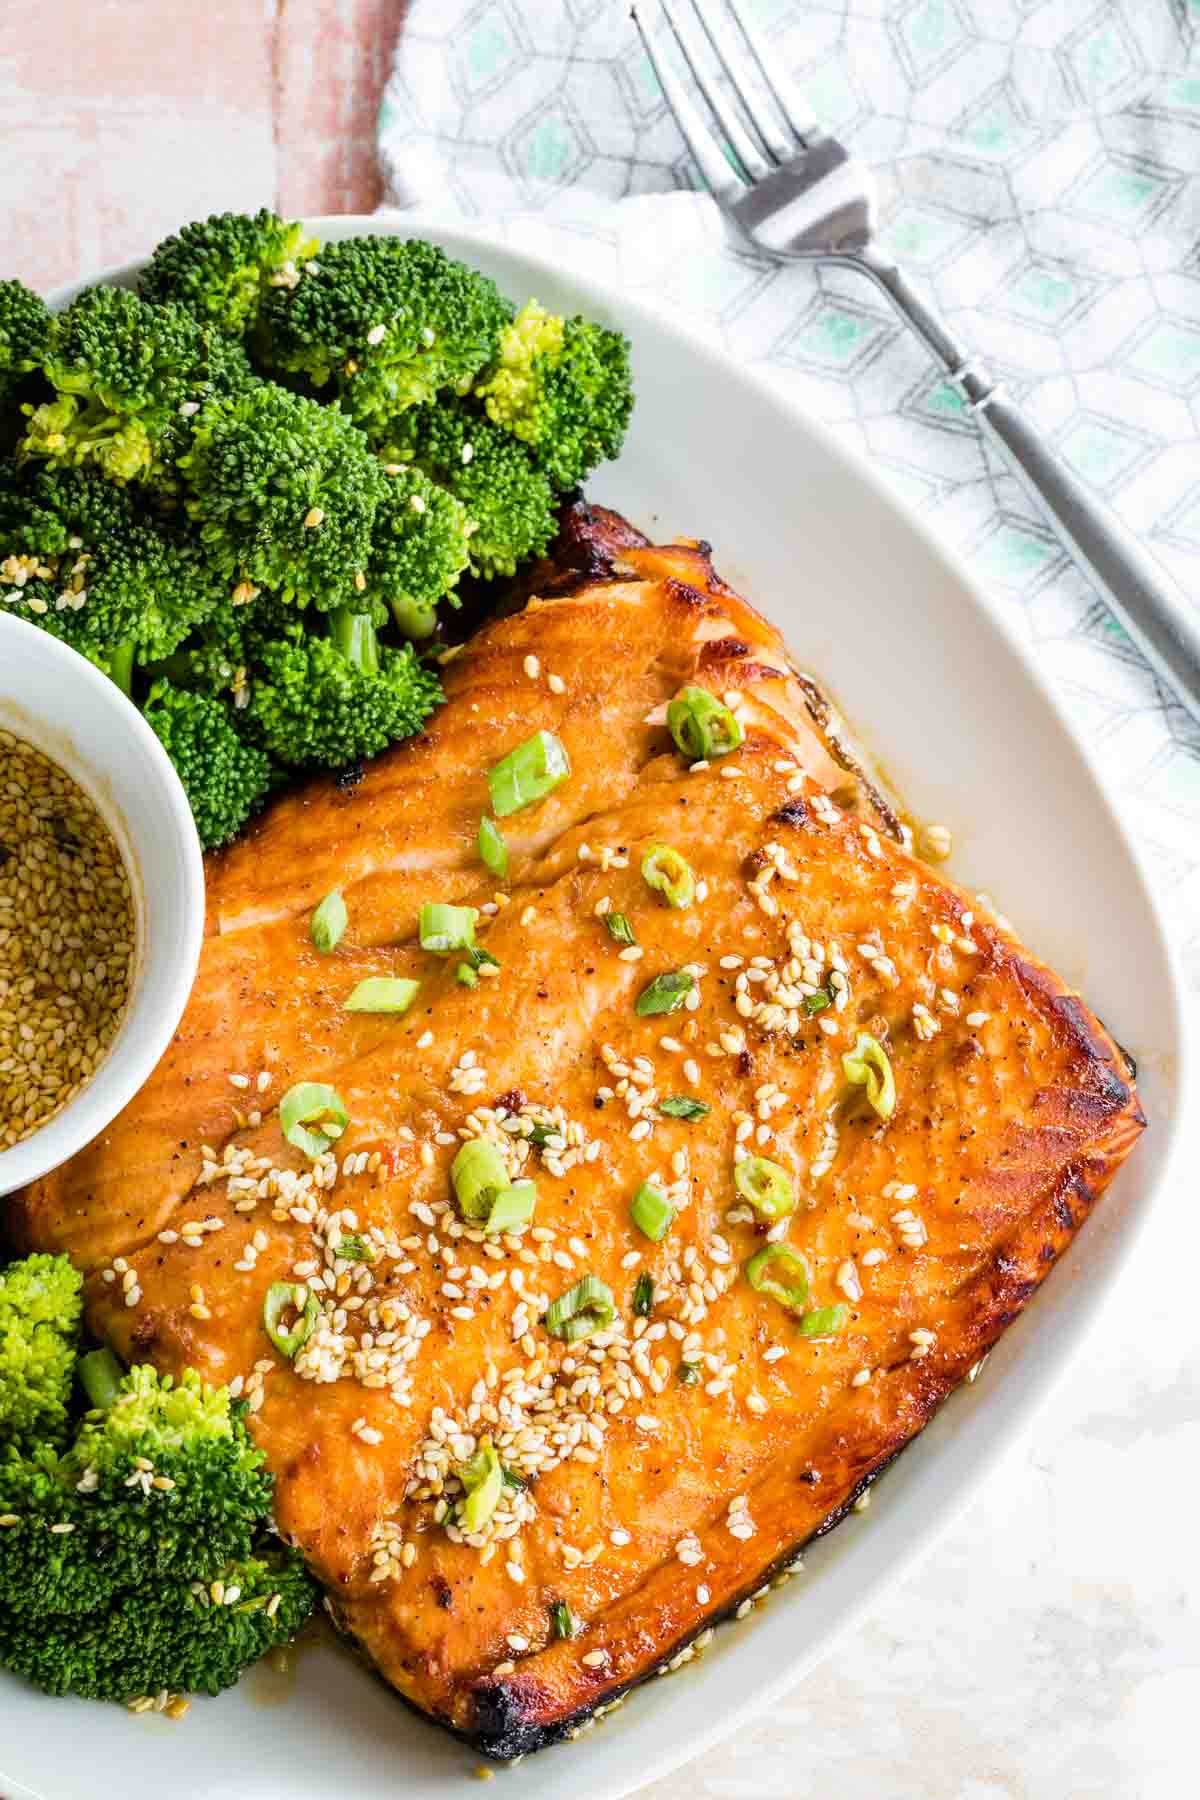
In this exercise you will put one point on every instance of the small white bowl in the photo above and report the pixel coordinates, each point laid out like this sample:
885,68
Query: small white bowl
58,702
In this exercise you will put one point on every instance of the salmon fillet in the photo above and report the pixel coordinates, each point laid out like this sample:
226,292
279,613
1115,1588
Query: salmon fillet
659,1468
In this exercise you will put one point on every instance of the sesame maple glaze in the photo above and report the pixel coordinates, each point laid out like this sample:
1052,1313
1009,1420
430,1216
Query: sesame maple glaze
673,1457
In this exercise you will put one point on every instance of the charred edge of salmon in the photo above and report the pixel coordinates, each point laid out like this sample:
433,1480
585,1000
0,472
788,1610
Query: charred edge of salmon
589,541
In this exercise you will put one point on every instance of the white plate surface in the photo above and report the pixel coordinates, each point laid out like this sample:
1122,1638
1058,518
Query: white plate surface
969,736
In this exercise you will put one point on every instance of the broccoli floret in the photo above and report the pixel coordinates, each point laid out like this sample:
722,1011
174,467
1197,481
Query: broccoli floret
420,545
137,1558
129,377
175,1635
224,776
284,491
219,267
334,700
24,335
40,1308
391,323
510,503
563,387
76,560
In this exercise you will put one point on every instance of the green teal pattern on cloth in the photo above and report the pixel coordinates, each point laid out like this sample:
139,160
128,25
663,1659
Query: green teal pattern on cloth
1038,167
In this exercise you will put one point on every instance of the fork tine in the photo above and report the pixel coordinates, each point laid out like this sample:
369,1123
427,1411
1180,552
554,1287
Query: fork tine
722,181
782,88
688,39
760,106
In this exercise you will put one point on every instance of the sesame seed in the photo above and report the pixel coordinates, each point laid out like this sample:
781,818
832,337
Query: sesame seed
594,1659
556,684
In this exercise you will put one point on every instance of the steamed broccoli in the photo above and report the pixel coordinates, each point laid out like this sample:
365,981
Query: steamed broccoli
219,267
509,502
284,492
135,1559
336,699
76,560
129,377
391,323
563,387
420,545
40,1309
24,334
224,776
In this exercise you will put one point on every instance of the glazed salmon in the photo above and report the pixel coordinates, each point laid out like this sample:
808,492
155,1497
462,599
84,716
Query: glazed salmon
657,1467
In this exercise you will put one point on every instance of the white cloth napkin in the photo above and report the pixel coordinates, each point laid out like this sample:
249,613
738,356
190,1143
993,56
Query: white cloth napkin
1036,162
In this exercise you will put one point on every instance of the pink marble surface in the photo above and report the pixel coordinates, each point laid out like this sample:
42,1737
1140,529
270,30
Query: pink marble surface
121,119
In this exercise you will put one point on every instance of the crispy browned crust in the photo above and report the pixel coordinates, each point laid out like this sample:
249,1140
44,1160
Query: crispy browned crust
1048,1095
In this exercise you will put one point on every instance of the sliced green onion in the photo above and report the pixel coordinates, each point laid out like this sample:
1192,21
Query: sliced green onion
382,994
620,928
477,957
682,1106
689,1374
701,726
466,976
355,1249
643,1295
518,1483
792,1293
665,994
276,1301
483,1479
823,1321
815,1003
541,1134
492,848
100,1375
766,1186
562,1620
528,773
311,1104
512,1206
478,1173
585,1308
446,928
867,1065
328,922
670,875
652,1212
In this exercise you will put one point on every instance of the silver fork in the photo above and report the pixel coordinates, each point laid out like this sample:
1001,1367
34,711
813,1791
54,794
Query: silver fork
791,189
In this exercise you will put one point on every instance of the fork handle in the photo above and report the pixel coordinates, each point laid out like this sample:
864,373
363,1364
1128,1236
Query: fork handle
1158,616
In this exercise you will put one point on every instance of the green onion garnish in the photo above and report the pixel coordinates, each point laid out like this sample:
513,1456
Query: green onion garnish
312,1116
328,922
492,848
792,1293
701,726
652,1212
382,994
815,1003
478,1173
766,1186
355,1249
689,1374
620,928
682,1106
585,1308
466,976
665,994
518,1483
823,1321
477,956
278,1298
562,1620
528,773
670,875
446,928
512,1206
643,1295
867,1065
541,1134
483,1479
100,1375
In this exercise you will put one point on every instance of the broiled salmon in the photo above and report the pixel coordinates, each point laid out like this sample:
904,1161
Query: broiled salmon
655,1468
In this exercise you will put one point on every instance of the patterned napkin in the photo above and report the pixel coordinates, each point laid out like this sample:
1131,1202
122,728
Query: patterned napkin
1036,162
